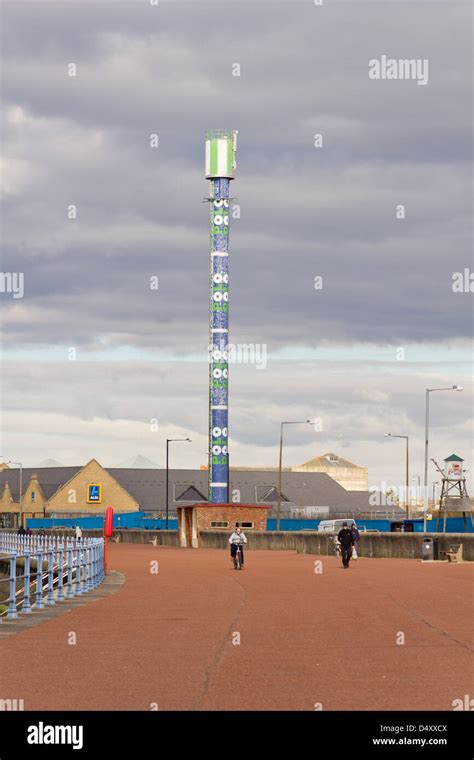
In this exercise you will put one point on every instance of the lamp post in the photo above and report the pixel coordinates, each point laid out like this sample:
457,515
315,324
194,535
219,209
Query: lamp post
407,478
427,424
168,441
10,461
306,422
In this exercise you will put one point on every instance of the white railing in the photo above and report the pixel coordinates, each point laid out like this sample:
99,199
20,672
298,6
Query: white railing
63,568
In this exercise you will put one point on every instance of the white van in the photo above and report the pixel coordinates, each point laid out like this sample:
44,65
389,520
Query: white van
334,526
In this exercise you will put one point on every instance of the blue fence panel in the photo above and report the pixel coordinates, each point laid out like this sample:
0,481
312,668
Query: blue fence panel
453,524
138,520
126,520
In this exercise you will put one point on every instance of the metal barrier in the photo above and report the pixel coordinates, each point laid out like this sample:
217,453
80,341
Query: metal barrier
66,559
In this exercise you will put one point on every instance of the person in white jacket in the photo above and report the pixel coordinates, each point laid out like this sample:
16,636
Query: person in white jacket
237,539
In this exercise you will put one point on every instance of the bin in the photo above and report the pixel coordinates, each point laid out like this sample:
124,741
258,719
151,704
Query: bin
430,548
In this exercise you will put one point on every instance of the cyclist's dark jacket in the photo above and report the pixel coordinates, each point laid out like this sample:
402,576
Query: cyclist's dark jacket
345,537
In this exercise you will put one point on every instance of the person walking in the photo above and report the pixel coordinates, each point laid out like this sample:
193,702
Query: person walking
346,540
78,533
356,537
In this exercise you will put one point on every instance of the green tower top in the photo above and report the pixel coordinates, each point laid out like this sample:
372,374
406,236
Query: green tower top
221,147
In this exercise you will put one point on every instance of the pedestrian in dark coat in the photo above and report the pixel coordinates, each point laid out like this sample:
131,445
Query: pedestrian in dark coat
346,540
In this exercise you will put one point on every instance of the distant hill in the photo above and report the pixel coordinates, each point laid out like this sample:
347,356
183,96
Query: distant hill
50,463
138,463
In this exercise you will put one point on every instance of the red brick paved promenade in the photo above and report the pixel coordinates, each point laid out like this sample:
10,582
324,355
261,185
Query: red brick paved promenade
305,638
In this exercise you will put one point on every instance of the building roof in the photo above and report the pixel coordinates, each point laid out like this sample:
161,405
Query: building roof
147,487
49,478
360,502
330,460
302,489
454,458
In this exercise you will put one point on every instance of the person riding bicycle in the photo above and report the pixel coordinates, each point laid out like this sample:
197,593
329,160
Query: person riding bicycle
237,539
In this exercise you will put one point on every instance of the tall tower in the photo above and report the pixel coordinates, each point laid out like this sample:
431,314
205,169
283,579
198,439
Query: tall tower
221,146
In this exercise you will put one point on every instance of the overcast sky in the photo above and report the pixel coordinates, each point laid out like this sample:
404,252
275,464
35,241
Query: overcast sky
92,355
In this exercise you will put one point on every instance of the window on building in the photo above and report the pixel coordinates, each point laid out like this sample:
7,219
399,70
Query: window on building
248,525
217,524
33,496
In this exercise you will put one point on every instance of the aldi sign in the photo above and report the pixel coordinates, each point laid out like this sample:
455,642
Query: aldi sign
94,493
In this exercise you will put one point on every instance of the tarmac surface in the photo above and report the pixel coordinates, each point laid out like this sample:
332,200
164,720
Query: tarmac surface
199,635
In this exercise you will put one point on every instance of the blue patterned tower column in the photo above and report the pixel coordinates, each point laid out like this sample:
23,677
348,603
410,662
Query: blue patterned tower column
218,343
220,165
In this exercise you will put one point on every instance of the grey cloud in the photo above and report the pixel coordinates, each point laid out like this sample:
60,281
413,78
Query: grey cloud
93,403
305,212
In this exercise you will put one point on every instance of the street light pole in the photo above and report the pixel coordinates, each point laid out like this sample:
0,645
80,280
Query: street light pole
407,475
427,424
168,441
407,481
167,471
306,422
279,478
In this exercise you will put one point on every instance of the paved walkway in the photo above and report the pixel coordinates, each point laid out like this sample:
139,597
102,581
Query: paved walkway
305,638
110,585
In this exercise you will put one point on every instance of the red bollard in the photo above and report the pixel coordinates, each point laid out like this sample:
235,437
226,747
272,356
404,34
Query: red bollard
108,530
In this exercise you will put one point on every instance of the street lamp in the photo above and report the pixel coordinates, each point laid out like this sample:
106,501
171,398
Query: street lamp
10,461
427,424
405,437
168,441
306,422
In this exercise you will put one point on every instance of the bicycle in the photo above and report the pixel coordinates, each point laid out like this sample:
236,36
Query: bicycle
237,559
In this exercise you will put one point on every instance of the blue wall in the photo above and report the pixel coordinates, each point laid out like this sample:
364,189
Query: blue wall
298,524
138,520
453,525
126,520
